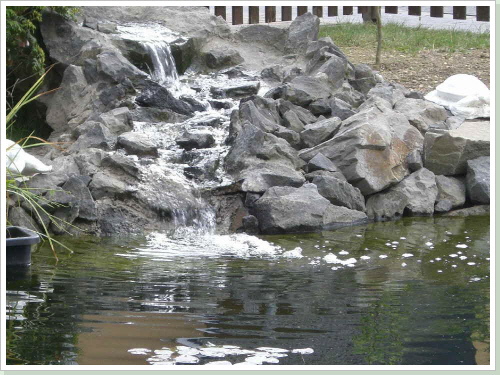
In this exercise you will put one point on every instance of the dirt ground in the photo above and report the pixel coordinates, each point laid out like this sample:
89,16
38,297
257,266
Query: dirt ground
427,69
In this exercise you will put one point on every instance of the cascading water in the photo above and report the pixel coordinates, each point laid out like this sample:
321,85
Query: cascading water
174,162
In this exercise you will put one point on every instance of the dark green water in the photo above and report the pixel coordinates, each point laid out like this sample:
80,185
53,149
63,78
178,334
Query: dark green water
200,300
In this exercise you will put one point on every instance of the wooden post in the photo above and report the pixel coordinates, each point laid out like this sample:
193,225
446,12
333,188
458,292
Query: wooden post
414,11
377,14
333,11
318,11
270,14
301,11
459,13
362,9
220,11
253,15
391,10
483,13
348,11
437,12
237,13
286,13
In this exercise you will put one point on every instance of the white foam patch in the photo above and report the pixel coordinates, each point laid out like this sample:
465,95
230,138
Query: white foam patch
383,256
295,253
303,351
139,351
453,255
364,257
403,264
406,255
332,258
343,252
462,246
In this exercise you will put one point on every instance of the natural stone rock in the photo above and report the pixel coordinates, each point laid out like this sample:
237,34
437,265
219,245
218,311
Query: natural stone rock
70,103
250,224
311,175
155,95
421,113
19,217
447,153
289,135
318,132
387,91
370,149
77,187
192,140
450,189
113,65
288,209
149,114
121,162
304,90
93,135
137,144
443,205
340,109
196,106
236,91
302,30
220,58
478,180
105,185
107,28
302,114
320,107
260,112
253,146
364,79
470,211
272,73
340,193
118,120
263,34
332,66
266,175
89,160
386,205
321,162
414,160
292,121
349,95
65,164
251,198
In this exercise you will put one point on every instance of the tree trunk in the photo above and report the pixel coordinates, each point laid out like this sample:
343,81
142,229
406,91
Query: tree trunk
379,37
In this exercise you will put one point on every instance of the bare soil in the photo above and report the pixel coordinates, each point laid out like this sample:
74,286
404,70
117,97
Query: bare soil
427,69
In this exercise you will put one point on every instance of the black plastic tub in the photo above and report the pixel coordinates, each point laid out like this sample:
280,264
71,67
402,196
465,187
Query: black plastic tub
19,242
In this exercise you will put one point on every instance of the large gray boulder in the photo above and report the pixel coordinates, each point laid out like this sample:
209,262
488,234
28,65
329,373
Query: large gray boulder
77,187
331,65
118,120
370,148
478,180
421,113
155,95
137,144
260,112
447,152
288,210
303,90
263,34
320,131
253,146
416,194
106,185
302,114
302,30
321,163
93,134
196,139
451,189
340,193
221,58
266,175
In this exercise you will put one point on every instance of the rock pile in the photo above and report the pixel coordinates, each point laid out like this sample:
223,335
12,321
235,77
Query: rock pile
327,144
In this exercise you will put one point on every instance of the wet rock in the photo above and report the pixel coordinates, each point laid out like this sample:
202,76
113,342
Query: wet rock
272,73
288,210
450,189
107,28
155,95
77,187
340,192
192,140
115,66
370,149
260,112
236,91
250,224
263,176
219,104
62,219
478,180
443,205
251,198
19,217
149,114
121,162
447,153
421,113
221,58
137,144
318,132
470,211
387,205
196,106
302,30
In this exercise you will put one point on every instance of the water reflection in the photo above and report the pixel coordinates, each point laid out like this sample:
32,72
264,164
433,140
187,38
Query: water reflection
411,297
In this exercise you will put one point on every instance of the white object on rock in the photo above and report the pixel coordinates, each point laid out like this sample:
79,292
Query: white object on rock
464,95
19,162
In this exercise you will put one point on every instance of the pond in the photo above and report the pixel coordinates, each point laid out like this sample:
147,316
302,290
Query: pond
412,292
